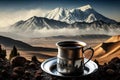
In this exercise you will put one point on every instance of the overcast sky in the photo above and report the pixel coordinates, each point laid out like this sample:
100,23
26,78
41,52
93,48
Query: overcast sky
12,11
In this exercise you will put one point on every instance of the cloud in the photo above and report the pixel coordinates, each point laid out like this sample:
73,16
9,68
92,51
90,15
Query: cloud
66,32
18,34
10,17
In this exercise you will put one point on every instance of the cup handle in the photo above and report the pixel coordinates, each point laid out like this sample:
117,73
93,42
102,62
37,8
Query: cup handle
91,54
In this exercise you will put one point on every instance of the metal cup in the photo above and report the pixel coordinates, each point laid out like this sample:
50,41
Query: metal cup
70,57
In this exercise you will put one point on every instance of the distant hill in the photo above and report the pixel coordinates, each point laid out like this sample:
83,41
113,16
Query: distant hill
9,42
87,36
109,49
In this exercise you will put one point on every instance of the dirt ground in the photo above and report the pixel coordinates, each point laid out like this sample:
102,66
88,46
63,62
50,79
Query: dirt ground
50,42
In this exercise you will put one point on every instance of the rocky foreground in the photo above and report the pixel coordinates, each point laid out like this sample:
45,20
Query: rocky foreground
19,68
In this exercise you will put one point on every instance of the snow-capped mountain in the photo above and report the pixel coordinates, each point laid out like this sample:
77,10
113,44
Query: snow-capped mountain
35,22
82,18
82,14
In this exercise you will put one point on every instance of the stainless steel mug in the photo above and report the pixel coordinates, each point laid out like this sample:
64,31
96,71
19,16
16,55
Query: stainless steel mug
70,57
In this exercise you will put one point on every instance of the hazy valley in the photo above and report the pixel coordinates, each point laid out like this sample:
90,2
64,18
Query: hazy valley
45,47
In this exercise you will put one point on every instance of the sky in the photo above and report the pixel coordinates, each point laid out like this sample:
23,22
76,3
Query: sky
12,11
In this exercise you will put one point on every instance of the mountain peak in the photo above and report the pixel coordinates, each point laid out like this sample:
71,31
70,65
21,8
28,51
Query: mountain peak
84,8
82,14
57,14
59,9
34,17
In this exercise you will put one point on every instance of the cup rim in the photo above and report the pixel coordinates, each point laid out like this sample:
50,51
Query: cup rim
83,44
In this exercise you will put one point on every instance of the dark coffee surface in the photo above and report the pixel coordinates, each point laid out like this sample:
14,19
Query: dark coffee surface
70,45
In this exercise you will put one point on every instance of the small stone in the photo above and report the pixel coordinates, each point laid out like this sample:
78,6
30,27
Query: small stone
4,73
14,76
110,71
18,61
19,70
32,65
27,73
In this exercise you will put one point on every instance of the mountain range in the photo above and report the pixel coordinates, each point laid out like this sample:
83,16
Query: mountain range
84,17
82,14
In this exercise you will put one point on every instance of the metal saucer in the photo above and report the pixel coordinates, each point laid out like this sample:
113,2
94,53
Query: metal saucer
49,66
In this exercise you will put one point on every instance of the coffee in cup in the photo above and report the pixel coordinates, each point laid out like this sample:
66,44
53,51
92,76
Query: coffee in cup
70,57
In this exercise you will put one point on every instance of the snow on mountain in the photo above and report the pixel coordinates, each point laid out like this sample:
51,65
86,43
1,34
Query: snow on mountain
84,8
91,18
82,14
57,14
36,23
